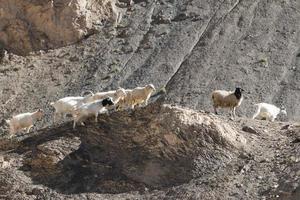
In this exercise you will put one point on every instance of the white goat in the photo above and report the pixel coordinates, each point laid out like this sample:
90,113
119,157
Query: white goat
267,111
227,99
116,95
90,109
67,105
24,121
136,96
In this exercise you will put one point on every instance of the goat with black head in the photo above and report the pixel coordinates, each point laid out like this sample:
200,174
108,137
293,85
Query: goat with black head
91,109
227,99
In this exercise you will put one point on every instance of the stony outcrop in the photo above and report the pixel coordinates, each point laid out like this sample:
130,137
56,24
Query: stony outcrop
27,26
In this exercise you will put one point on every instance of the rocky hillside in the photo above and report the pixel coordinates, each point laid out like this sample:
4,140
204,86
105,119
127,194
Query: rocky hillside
58,48
191,47
156,152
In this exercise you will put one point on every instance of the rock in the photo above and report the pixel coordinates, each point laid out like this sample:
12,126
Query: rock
74,58
128,2
275,186
47,155
246,156
35,25
264,160
294,159
124,3
126,49
8,144
244,168
285,127
3,163
250,129
37,191
297,140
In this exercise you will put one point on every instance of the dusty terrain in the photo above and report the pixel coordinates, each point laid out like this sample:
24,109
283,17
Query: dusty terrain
188,47
157,152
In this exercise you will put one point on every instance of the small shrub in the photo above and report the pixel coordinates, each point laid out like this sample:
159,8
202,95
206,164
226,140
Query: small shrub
264,62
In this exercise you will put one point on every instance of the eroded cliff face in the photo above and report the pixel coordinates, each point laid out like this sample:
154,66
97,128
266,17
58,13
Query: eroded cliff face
27,26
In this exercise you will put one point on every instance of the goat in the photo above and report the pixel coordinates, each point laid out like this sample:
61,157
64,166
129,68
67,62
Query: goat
227,99
24,121
89,109
267,111
137,96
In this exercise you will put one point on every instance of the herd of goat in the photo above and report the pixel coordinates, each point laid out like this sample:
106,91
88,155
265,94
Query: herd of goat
122,99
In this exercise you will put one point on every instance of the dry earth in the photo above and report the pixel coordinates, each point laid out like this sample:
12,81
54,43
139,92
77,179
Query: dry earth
157,152
188,47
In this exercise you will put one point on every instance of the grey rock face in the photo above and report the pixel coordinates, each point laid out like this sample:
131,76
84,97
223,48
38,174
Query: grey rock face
188,47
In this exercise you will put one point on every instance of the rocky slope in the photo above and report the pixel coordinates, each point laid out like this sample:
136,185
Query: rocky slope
189,47
157,152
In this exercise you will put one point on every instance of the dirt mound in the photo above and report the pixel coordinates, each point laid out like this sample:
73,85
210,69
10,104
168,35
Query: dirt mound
154,153
153,147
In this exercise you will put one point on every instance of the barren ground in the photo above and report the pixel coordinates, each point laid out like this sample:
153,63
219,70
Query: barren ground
189,48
